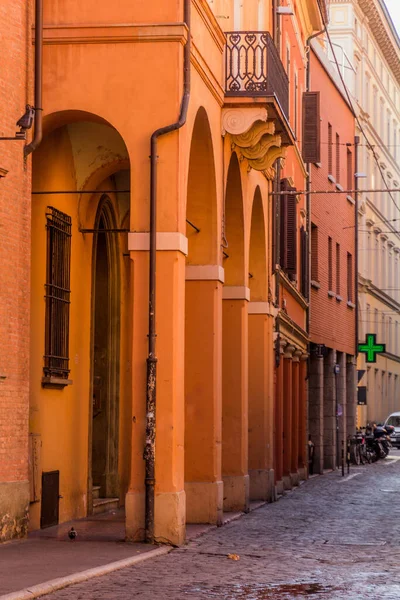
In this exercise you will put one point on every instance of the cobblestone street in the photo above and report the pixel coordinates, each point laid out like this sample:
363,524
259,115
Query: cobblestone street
333,538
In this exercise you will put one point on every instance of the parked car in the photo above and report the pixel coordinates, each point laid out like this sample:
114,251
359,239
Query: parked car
394,420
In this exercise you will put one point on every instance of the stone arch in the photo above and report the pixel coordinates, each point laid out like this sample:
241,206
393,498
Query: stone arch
201,206
258,274
203,294
81,151
234,226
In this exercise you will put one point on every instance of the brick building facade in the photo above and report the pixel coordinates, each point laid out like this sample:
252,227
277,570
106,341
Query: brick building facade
333,302
15,177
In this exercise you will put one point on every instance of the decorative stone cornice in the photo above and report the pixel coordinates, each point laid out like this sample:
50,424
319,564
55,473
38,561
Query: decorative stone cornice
258,144
383,32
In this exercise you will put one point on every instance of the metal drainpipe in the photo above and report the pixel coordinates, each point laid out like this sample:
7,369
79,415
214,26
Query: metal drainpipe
38,134
149,452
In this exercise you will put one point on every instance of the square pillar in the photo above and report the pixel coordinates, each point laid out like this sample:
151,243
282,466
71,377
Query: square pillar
296,419
341,404
329,411
278,422
316,410
287,415
351,395
235,398
260,425
203,397
303,429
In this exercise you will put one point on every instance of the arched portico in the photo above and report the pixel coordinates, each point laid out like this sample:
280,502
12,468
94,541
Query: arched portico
236,295
77,411
260,357
203,326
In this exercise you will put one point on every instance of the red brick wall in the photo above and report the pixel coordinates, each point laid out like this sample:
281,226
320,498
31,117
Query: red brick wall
332,321
15,93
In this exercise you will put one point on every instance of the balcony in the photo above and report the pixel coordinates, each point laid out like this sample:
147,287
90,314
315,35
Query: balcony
254,68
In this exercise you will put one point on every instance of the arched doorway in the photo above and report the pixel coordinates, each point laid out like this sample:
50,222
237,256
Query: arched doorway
105,355
70,163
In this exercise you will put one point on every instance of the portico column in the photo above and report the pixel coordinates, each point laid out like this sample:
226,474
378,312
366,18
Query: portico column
287,414
235,397
260,425
295,416
170,505
203,393
316,410
303,429
351,395
278,418
342,404
329,411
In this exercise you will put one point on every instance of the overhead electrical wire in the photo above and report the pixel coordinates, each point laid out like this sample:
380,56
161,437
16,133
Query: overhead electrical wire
360,126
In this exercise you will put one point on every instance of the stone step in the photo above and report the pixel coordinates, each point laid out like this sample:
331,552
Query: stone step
101,505
96,492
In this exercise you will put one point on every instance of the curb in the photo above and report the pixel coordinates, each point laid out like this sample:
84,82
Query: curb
53,585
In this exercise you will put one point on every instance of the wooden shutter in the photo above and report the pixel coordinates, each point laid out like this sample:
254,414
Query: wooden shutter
311,127
288,241
304,262
291,241
284,223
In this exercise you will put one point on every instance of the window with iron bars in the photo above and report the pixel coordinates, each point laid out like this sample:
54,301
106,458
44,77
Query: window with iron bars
56,357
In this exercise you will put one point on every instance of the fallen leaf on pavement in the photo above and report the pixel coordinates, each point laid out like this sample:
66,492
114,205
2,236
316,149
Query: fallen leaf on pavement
234,556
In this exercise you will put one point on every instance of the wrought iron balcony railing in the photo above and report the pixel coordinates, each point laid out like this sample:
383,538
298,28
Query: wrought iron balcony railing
254,68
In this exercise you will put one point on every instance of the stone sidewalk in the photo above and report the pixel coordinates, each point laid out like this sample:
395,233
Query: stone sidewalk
332,538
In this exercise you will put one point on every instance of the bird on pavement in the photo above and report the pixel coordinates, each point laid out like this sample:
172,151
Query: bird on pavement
72,534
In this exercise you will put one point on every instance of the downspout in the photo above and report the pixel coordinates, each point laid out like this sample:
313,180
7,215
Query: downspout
149,452
38,133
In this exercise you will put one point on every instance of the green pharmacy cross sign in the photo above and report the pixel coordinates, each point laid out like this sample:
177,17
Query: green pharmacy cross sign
371,348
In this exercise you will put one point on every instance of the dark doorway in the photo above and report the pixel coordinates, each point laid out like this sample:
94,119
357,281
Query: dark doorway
50,499
105,365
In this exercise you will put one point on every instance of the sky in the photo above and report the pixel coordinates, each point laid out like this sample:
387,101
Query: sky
394,9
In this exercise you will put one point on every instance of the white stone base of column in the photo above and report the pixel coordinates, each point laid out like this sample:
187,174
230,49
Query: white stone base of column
287,482
236,493
295,477
262,484
170,518
204,501
303,473
135,516
279,487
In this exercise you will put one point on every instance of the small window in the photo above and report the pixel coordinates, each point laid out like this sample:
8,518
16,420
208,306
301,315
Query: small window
330,165
337,158
330,265
349,277
350,170
56,357
314,252
338,269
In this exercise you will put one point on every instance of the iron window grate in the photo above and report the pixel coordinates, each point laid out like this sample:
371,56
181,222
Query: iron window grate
57,297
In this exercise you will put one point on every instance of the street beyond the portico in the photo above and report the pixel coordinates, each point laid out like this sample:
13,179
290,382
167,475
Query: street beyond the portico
332,538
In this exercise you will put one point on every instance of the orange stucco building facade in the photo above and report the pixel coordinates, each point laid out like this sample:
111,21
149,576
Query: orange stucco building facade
231,298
